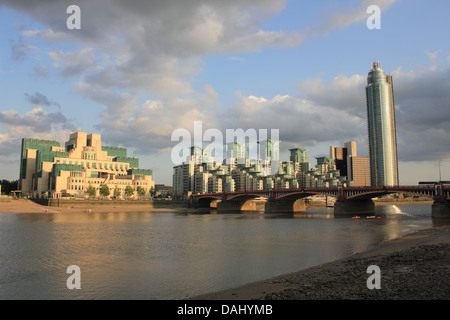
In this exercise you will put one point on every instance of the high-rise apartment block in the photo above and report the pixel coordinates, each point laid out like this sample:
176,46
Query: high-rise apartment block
254,174
381,128
355,168
47,168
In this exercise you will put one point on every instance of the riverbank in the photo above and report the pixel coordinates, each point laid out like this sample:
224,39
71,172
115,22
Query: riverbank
413,267
28,206
10,205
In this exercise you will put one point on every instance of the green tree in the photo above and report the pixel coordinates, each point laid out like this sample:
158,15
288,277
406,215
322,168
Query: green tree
8,186
104,190
140,191
129,191
116,192
152,192
90,191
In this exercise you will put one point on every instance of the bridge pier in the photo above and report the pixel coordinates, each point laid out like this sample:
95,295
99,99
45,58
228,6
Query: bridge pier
285,206
351,207
226,206
195,203
440,209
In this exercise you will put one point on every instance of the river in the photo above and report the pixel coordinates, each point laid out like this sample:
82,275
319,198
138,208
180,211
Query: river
179,254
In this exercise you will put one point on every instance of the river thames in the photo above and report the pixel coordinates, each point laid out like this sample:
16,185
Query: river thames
179,254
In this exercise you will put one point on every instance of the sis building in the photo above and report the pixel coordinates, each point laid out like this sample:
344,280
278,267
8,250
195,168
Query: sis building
47,168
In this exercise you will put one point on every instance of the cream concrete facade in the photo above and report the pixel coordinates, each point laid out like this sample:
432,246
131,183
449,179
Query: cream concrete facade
47,168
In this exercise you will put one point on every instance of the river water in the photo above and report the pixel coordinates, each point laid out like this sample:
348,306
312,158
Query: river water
179,254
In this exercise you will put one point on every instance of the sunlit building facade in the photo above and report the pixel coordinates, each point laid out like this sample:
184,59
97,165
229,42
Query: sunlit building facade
381,128
355,168
47,169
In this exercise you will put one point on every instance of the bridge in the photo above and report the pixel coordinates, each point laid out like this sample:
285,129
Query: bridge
349,200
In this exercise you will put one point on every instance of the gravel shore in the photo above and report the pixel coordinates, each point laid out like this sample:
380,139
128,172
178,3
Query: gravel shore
413,267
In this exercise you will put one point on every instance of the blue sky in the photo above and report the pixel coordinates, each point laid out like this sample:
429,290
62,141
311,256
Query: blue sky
138,70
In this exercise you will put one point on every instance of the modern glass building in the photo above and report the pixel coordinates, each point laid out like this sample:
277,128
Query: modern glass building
381,128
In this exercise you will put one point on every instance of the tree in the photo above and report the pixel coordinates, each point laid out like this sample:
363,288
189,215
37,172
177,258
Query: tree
140,191
129,191
90,191
104,190
116,192
8,186
152,192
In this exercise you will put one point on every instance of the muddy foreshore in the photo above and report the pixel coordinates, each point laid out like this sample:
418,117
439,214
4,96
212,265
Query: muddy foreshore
412,267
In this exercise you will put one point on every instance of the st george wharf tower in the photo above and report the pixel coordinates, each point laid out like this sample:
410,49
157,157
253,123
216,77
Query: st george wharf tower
381,128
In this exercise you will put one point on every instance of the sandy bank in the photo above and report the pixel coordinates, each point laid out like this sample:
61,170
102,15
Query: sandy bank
28,206
415,266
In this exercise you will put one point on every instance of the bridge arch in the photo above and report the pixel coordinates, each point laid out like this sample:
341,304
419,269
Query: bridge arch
304,194
206,201
247,196
367,195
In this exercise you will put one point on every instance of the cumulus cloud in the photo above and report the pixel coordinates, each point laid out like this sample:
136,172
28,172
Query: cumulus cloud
36,119
423,117
40,99
156,46
148,126
36,123
344,93
301,122
73,63
150,46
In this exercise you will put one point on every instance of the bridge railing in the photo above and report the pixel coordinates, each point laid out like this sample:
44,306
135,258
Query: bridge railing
410,188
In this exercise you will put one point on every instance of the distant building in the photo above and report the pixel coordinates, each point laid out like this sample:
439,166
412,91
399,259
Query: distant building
47,168
381,128
355,168
163,190
298,155
359,171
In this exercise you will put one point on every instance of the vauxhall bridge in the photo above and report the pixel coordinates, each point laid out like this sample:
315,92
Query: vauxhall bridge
349,200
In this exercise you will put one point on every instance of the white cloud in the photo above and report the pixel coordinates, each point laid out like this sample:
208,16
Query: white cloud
74,63
157,46
301,122
36,123
345,93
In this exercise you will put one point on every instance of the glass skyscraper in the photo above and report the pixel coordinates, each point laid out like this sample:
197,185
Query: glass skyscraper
381,128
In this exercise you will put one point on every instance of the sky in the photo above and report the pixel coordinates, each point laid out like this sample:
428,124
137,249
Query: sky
138,70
